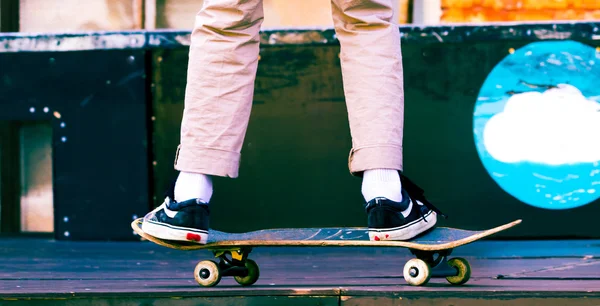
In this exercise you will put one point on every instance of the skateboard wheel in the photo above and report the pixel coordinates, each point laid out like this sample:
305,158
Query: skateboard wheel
207,273
417,272
462,267
253,274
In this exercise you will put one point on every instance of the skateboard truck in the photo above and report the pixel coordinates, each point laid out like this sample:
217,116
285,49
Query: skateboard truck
418,271
236,266
232,262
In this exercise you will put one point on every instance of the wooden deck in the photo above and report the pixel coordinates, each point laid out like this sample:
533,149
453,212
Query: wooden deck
46,272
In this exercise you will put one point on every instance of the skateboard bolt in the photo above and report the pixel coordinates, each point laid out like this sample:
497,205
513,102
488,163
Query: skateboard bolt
204,273
413,272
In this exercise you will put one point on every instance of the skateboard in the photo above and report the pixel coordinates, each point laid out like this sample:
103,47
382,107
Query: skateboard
431,250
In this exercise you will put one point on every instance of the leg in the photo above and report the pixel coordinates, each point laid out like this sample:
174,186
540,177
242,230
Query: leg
371,63
220,86
223,60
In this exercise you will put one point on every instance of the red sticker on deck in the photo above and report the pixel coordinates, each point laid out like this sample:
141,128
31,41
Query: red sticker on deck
193,237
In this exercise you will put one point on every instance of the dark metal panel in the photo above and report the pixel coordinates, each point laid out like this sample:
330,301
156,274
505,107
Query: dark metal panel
96,103
9,16
10,217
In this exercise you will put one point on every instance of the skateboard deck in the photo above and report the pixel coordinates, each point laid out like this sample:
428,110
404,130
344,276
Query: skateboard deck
440,238
438,241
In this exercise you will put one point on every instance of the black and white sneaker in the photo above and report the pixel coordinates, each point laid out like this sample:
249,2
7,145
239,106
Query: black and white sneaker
389,220
180,221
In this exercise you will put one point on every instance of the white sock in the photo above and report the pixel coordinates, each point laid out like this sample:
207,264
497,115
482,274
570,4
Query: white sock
193,186
382,183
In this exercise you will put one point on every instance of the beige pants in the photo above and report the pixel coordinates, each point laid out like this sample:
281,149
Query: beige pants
222,68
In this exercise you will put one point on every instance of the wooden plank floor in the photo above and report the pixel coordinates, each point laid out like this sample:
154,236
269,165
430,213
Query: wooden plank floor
47,270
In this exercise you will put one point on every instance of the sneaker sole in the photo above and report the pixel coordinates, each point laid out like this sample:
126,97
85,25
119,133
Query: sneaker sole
169,232
404,232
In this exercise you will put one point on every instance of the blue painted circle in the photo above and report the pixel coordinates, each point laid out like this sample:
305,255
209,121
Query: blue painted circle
541,148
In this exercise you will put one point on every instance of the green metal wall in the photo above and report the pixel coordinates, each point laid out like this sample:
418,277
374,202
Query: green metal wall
294,160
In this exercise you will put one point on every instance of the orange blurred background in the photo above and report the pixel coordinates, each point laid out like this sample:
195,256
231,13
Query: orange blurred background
518,10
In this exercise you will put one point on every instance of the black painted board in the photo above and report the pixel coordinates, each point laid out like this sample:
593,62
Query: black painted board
433,300
96,103
294,160
186,301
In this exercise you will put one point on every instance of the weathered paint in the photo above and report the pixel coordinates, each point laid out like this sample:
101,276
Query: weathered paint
410,33
71,42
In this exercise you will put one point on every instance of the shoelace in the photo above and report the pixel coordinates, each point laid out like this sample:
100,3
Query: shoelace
416,193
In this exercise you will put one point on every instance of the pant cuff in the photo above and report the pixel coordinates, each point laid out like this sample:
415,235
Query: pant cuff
207,161
375,157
